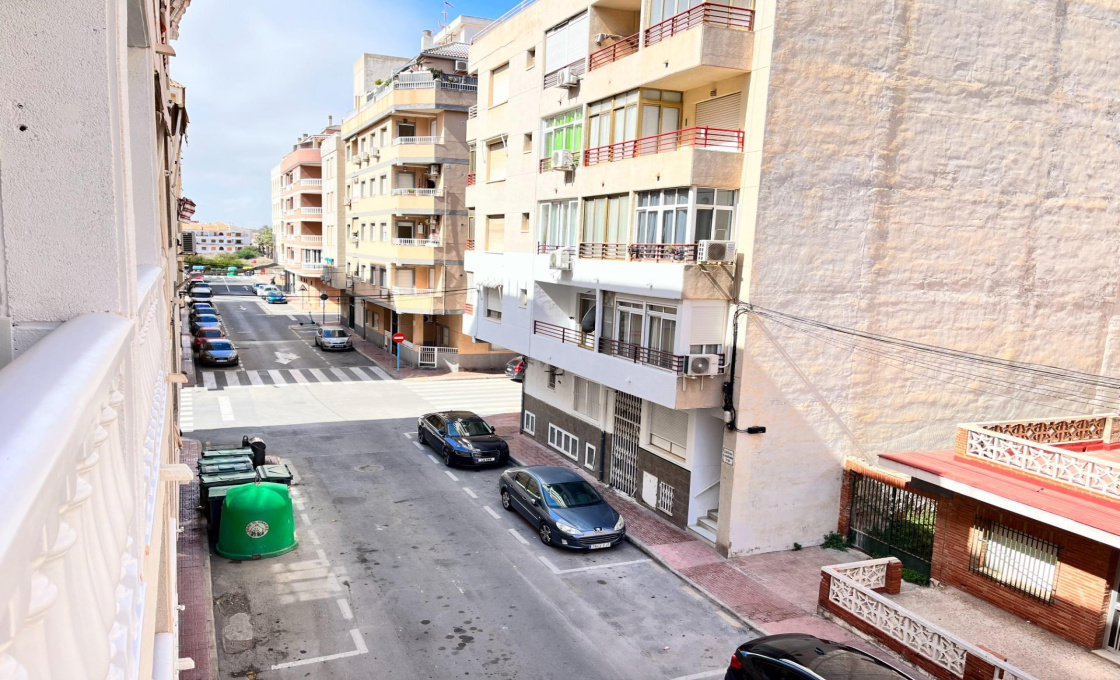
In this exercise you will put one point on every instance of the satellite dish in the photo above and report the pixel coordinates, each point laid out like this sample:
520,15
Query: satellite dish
587,324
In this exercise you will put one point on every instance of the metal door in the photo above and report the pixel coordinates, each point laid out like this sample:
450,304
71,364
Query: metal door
624,443
350,309
888,521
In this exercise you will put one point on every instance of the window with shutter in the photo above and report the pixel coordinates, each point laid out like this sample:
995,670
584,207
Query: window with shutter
495,233
586,397
496,161
566,43
499,85
668,429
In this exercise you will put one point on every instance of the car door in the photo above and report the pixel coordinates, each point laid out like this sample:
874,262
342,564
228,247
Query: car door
534,503
319,336
520,494
431,429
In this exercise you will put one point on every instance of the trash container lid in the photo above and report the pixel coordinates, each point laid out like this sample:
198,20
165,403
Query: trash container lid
274,472
257,522
227,478
214,460
208,468
239,451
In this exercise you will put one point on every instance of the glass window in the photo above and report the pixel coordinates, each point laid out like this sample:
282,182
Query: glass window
604,219
493,299
715,212
586,397
558,223
496,161
499,85
475,427
571,495
565,43
563,132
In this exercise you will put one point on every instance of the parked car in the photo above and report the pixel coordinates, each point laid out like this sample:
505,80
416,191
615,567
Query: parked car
797,656
515,369
202,309
201,294
563,507
202,335
219,352
257,287
462,438
333,337
267,289
205,321
276,298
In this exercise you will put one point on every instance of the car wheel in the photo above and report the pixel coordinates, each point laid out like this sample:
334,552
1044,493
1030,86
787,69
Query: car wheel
447,457
507,502
545,533
420,436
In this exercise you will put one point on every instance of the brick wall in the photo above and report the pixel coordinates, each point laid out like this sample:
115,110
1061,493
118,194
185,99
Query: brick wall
1083,581
843,522
584,431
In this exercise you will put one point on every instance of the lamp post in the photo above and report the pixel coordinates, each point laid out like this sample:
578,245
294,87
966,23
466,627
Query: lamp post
323,297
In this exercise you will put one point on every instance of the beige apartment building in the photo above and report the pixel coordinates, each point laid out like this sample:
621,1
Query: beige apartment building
640,169
406,173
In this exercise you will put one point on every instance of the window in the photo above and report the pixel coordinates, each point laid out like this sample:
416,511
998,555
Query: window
563,441
364,235
668,429
496,161
384,185
586,397
527,143
715,213
661,112
558,223
705,349
530,58
565,43
589,457
493,303
1014,558
613,120
662,334
529,422
495,233
606,219
524,223
362,193
662,216
384,231
551,371
562,132
523,298
499,85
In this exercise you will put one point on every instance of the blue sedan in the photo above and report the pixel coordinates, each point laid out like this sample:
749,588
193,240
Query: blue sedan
462,438
565,510
276,299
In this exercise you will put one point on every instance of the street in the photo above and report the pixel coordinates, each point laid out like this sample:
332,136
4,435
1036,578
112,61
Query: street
408,569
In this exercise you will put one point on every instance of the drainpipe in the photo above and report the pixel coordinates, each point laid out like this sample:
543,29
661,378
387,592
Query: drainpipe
602,453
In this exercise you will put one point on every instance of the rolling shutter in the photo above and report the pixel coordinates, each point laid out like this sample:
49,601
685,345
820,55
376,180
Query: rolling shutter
670,425
721,112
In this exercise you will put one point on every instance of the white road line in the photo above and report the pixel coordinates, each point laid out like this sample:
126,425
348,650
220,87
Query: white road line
728,618
340,373
298,503
705,674
434,459
305,518
380,373
469,492
519,536
298,376
490,510
254,378
208,380
292,317
344,607
322,556
314,536
319,375
419,445
226,408
453,477
233,379
692,593
408,435
277,377
555,570
358,372
355,634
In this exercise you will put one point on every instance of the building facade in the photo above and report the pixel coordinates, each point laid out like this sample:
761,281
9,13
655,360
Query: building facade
90,363
334,213
641,171
406,164
215,238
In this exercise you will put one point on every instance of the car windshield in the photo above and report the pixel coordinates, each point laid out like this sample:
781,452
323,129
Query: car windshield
223,345
210,333
207,317
842,664
469,428
571,495
328,333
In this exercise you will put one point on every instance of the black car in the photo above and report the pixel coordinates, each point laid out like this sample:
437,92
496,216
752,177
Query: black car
462,438
563,507
515,369
796,656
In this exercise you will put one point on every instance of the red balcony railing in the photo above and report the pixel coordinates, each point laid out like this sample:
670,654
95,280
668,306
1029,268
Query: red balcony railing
706,13
543,248
654,252
610,53
603,251
470,179
468,308
704,137
569,336
643,355
470,244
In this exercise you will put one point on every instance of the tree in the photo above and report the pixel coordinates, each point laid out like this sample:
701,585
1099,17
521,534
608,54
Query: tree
248,253
264,241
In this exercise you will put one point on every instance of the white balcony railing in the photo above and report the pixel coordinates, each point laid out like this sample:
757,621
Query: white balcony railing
418,192
311,211
424,242
311,239
311,182
311,266
406,291
401,141
86,420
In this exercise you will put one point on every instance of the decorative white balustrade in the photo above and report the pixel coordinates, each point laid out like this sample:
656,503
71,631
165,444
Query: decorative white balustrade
311,211
407,291
311,239
850,589
426,242
311,182
417,192
402,141
85,416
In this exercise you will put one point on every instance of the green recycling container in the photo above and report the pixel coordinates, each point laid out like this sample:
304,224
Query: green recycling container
207,482
257,521
213,460
239,451
275,473
216,465
214,508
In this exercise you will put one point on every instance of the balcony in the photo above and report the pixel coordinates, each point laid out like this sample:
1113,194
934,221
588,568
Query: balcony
545,164
418,192
470,244
470,179
309,184
578,68
407,141
88,423
707,13
696,137
640,252
310,211
408,300
675,363
612,53
311,239
408,91
417,242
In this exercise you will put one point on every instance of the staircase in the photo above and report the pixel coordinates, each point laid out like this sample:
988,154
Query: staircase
706,526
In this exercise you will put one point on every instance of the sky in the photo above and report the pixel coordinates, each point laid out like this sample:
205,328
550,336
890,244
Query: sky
260,74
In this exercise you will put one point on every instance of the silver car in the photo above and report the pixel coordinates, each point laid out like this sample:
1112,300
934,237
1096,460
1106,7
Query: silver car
333,337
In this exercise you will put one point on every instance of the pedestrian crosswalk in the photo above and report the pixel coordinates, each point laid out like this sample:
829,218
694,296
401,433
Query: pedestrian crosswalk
486,396
217,380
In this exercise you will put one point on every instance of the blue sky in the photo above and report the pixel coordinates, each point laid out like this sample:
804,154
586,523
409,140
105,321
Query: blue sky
259,74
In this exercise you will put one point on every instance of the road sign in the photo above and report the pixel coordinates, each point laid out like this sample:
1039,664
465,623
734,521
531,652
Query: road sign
398,337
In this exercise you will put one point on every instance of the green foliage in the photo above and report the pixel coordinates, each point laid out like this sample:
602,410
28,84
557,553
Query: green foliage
248,254
797,546
835,541
264,240
915,577
214,262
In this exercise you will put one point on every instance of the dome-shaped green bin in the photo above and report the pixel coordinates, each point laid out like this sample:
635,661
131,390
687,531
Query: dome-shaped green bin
257,521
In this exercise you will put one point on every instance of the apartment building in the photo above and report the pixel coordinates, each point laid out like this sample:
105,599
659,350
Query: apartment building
406,173
214,238
641,169
89,362
334,214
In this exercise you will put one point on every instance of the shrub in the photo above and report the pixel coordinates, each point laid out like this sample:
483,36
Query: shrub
835,541
248,254
915,577
797,546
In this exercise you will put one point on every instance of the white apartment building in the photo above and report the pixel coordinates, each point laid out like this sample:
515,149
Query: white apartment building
89,496
215,238
640,168
334,211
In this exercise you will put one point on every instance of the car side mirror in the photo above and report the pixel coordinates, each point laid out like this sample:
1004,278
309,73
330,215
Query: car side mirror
536,503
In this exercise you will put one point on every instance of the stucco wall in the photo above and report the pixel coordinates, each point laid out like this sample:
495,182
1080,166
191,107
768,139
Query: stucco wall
941,173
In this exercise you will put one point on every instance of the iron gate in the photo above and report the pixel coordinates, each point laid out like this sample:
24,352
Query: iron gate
624,443
888,521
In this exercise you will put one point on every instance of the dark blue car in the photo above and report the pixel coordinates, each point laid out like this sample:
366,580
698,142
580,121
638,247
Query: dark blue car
565,510
462,439
276,299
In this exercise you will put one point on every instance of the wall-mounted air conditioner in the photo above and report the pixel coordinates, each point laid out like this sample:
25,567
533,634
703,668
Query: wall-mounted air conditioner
567,78
461,65
560,259
562,159
716,251
188,243
703,364
433,170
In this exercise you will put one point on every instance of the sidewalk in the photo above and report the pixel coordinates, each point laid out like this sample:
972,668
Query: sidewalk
388,363
196,621
772,593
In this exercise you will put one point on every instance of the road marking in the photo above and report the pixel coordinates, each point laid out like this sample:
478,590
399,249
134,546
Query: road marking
314,536
322,556
419,445
254,378
519,536
226,408
692,593
380,373
409,435
556,570
358,372
298,375
319,375
705,674
434,459
453,477
208,380
292,317
657,567
490,510
233,379
470,493
344,607
340,373
285,357
305,518
359,643
277,377
727,617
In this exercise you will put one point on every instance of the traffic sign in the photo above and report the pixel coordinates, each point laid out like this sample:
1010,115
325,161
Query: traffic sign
398,337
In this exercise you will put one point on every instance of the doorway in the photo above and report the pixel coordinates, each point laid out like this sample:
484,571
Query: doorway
1112,621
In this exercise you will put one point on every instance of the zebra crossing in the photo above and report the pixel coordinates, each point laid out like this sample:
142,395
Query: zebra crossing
485,396
218,380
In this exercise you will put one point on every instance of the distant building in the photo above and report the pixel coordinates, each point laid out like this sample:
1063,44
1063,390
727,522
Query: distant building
216,238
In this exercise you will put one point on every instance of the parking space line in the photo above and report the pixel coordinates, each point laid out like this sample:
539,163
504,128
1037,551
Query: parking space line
556,570
409,435
312,535
419,445
305,518
344,607
226,408
692,593
453,477
519,537
490,510
705,674
359,643
727,617
469,492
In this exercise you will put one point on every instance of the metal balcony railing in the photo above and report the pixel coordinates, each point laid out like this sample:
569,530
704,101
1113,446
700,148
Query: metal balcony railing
707,13
611,53
545,248
643,355
569,336
472,112
701,137
545,164
402,141
470,179
470,244
604,251
428,242
578,67
417,192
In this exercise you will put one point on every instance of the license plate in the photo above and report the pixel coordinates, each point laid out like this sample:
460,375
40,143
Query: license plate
600,545
486,460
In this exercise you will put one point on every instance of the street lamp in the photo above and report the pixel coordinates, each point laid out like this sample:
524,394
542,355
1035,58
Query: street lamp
323,297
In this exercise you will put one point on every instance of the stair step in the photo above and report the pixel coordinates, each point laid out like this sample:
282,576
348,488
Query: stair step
709,535
707,523
714,515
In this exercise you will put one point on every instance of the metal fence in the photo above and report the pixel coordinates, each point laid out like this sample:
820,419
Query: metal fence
1016,559
888,521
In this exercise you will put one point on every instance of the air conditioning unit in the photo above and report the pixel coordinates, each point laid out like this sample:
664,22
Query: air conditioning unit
429,318
703,364
461,65
349,281
563,159
376,154
188,242
716,251
365,157
567,78
433,170
560,259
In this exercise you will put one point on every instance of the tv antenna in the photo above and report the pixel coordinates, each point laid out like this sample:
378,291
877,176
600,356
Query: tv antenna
446,4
